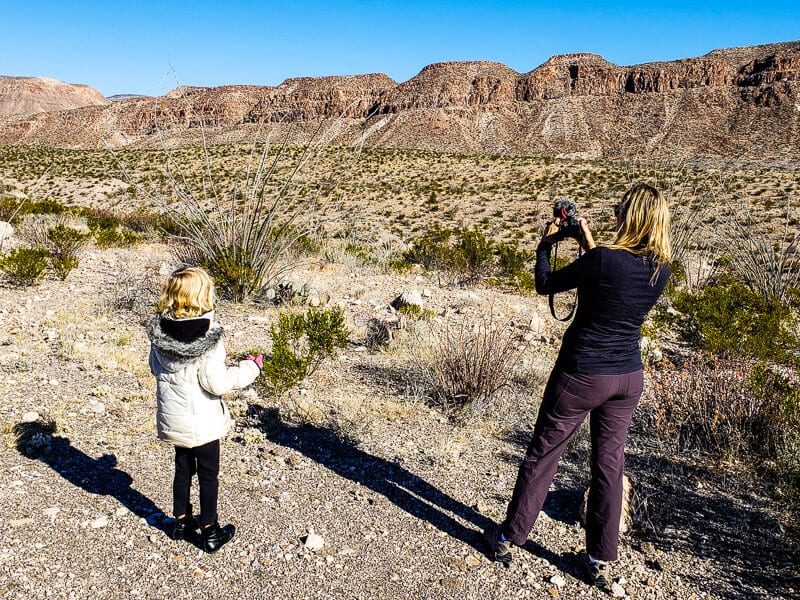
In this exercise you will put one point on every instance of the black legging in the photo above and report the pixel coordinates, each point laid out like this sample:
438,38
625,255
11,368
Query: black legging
203,460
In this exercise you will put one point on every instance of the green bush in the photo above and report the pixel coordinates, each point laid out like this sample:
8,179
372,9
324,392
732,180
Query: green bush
13,209
102,222
511,259
234,278
108,237
64,243
24,266
300,342
728,318
434,251
476,251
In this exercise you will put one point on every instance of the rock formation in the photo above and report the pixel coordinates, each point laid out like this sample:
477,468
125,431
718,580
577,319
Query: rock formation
732,102
27,95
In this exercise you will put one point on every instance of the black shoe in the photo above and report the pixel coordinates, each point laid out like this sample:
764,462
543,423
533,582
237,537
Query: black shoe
499,550
598,574
185,527
214,536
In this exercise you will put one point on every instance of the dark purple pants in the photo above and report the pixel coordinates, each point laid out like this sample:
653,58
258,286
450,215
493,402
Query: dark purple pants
203,460
610,401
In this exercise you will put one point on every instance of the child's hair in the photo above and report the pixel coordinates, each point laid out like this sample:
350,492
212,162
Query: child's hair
189,292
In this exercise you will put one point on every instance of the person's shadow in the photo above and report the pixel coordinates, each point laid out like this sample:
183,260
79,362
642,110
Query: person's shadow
401,487
97,476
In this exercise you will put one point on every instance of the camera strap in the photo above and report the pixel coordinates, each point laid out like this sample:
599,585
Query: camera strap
551,297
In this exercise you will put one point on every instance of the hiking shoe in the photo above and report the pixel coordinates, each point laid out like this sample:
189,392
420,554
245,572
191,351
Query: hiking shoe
185,528
598,574
214,536
499,549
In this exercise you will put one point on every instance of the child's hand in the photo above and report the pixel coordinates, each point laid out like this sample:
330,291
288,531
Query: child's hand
259,360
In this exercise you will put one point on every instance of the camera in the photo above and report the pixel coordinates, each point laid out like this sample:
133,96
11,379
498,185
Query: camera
568,227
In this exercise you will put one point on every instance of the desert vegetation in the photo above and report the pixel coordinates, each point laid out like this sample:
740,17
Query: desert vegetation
722,346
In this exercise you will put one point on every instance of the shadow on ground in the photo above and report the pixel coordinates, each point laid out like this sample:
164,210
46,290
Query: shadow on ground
99,476
401,487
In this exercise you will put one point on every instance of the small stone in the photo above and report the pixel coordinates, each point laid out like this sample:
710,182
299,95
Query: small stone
30,417
121,511
99,522
313,542
472,560
52,512
617,591
20,522
97,407
558,581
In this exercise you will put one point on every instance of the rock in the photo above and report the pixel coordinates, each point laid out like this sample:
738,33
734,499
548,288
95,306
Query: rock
617,591
30,417
52,512
558,581
313,541
472,560
20,522
99,522
6,230
97,407
426,293
537,325
411,297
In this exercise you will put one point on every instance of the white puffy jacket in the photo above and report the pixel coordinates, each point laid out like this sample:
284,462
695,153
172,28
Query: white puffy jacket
188,361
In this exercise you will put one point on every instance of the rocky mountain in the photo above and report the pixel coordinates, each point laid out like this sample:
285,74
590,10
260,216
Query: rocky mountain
27,95
737,102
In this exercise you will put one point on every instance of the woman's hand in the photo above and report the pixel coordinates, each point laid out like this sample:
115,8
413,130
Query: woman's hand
550,231
587,241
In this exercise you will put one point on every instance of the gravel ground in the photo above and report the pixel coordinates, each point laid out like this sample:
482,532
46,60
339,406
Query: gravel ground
397,492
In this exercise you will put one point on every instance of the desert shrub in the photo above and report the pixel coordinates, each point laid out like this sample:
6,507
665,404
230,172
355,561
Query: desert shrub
233,276
733,409
466,365
12,209
258,214
416,313
300,342
109,237
24,266
768,263
460,251
727,317
64,244
46,207
102,222
150,223
476,251
433,251
511,259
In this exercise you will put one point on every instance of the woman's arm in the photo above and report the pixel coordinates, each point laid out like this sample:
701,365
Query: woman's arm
571,276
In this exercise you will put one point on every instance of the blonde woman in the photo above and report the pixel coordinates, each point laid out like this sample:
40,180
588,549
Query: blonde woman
187,357
598,372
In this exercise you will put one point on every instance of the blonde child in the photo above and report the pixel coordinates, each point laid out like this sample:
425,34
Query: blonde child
187,357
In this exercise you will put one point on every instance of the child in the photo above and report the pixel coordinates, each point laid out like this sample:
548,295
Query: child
187,357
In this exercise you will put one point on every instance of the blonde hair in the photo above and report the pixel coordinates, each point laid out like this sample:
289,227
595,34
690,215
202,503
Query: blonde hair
644,224
189,292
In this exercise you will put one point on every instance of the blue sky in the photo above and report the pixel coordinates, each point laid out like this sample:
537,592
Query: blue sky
150,47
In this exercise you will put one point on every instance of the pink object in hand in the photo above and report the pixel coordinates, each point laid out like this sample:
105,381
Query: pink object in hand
259,360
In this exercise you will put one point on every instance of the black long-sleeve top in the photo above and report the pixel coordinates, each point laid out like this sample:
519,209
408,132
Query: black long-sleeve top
614,296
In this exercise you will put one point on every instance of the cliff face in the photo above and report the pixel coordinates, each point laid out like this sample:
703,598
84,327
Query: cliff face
28,95
727,103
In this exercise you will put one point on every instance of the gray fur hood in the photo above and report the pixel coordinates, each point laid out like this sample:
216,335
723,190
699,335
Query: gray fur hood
175,350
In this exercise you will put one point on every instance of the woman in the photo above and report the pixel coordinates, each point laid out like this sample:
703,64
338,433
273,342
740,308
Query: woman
598,372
